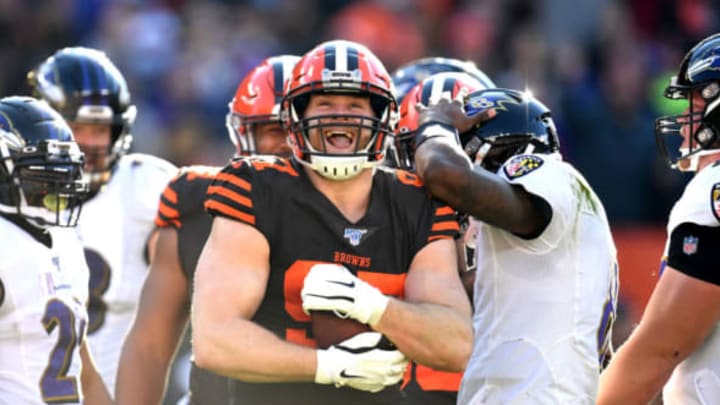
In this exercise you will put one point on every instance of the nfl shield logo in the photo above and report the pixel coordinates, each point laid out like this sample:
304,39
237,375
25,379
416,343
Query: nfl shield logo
354,235
690,244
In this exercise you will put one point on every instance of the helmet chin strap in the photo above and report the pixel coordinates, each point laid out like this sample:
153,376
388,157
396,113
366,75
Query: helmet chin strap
692,160
342,167
32,215
339,167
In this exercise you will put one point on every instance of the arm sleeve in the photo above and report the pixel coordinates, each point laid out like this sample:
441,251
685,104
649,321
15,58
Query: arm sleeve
150,176
444,222
693,250
230,194
168,214
552,181
184,195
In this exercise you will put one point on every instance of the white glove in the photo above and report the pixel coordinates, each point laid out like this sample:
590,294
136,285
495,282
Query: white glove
331,287
359,363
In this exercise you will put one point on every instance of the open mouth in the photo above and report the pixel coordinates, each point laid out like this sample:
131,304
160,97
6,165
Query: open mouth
339,139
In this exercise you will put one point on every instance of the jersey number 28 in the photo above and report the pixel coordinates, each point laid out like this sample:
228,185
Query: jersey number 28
56,385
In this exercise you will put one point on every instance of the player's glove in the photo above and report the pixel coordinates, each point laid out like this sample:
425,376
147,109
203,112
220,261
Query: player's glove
361,363
331,287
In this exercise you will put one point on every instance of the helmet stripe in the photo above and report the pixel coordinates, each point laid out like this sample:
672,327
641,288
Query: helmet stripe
441,87
329,52
433,89
288,65
85,76
352,59
102,79
278,79
425,92
341,58
449,85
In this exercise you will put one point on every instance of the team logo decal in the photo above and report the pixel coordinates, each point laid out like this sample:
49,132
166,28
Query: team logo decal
715,200
522,165
690,245
354,235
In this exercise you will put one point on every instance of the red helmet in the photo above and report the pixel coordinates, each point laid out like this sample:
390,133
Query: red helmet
427,92
340,67
257,101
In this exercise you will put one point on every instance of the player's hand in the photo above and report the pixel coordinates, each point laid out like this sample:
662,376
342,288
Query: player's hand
451,113
331,287
361,363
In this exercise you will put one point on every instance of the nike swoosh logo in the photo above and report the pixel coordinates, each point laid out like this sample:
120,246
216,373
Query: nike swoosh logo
332,297
343,374
350,284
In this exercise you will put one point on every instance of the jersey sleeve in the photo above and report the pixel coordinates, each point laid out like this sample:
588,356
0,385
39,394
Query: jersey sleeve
444,222
183,195
551,180
150,176
694,228
230,194
168,214
432,219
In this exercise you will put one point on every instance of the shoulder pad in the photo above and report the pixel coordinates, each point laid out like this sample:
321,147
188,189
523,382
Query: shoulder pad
135,160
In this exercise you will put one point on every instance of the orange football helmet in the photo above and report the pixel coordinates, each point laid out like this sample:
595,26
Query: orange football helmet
428,91
257,101
340,67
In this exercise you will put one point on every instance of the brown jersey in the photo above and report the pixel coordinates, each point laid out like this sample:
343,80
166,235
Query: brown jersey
181,207
303,228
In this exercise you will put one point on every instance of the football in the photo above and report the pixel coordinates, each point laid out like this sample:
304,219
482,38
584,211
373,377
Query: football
329,329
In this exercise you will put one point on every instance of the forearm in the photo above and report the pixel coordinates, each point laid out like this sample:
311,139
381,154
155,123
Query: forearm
243,350
449,176
679,317
633,377
444,170
94,389
142,375
95,392
433,335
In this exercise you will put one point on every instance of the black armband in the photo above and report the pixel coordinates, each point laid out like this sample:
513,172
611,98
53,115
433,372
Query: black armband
695,251
434,129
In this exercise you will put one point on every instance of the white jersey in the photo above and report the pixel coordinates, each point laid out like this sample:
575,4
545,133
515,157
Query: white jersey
697,379
42,316
114,226
541,305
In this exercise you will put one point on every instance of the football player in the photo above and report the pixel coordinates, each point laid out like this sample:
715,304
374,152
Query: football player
43,275
433,386
328,230
117,222
546,276
253,124
408,76
676,346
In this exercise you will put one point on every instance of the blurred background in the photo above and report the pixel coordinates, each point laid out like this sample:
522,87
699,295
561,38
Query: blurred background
600,65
